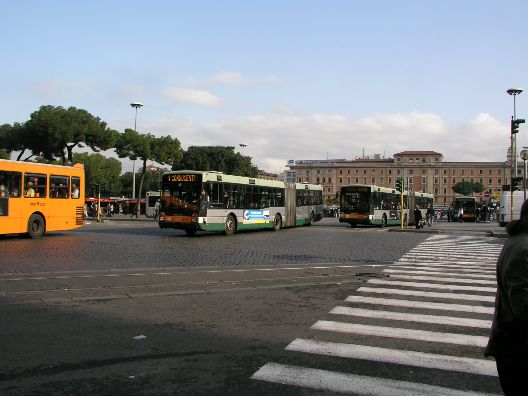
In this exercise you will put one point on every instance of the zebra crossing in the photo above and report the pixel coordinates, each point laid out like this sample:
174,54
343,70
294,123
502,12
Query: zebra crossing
419,329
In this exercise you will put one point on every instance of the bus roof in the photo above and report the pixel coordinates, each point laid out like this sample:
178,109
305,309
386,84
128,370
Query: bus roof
225,178
374,187
34,165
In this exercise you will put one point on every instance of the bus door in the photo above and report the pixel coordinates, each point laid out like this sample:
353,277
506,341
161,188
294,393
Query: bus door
290,204
10,202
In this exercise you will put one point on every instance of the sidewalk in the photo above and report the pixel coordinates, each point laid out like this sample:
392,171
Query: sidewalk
447,227
121,217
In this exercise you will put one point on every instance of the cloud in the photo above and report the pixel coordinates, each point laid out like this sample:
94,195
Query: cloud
273,139
192,96
229,78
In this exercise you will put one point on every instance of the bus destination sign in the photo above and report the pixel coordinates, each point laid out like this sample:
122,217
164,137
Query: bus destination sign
181,178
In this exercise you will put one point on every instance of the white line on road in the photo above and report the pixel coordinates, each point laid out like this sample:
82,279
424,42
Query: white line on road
396,356
419,293
431,285
443,279
420,304
409,317
350,383
395,332
445,274
437,267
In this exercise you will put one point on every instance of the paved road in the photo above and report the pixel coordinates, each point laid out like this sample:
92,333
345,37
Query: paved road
125,308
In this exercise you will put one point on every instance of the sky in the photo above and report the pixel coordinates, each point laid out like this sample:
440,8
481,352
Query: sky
328,79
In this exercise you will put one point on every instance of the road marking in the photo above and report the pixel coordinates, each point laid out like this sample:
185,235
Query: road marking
420,304
431,285
396,356
446,274
436,267
395,332
350,383
410,317
419,293
445,279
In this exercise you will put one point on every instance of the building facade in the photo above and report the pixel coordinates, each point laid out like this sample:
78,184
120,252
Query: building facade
424,171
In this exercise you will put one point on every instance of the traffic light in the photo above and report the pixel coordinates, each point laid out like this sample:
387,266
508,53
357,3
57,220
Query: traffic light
515,125
516,181
399,184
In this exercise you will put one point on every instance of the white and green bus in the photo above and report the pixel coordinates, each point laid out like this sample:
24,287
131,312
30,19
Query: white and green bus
374,205
213,201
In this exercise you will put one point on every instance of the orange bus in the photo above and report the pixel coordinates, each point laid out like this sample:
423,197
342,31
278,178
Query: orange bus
35,198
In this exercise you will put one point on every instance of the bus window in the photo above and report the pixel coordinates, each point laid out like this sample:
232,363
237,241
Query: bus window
10,184
34,185
59,186
75,183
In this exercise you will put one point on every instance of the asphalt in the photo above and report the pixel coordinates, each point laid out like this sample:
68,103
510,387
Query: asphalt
491,228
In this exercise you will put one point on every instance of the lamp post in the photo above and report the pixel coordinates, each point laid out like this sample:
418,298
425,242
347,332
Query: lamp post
514,92
135,105
524,157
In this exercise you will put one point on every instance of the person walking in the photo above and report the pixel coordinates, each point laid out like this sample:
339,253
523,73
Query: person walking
508,340
430,215
418,217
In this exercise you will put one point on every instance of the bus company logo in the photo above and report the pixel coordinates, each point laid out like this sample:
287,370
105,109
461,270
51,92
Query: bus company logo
37,204
182,178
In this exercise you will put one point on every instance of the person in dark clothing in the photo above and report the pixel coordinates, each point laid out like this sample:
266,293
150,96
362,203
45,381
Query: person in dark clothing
418,217
508,341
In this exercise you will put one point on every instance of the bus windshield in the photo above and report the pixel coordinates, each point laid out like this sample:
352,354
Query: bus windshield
180,193
355,199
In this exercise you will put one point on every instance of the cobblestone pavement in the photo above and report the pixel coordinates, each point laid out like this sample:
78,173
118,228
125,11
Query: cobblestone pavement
141,244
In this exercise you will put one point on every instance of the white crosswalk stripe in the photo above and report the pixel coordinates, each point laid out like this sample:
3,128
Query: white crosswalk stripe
439,293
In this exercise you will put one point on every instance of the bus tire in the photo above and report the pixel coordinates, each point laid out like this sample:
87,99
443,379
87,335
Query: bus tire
277,222
384,220
36,226
353,225
230,225
190,231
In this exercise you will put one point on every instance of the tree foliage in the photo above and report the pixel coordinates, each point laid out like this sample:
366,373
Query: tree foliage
468,188
56,131
100,171
216,158
133,145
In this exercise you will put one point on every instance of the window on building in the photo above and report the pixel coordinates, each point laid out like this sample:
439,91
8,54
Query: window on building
340,180
471,172
423,160
382,171
499,181
329,180
424,172
445,180
390,180
410,171
324,180
436,191
381,181
390,171
490,172
398,159
317,181
424,180
398,172
373,180
445,190
364,171
499,171
357,180
436,159
490,181
340,171
348,171
453,171
436,172
364,180
480,171
436,181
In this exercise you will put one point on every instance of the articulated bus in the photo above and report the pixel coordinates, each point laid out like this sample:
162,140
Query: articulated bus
373,205
214,201
469,205
35,198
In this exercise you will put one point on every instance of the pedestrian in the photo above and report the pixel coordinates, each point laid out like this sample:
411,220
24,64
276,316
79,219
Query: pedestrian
156,209
429,215
418,217
460,214
508,341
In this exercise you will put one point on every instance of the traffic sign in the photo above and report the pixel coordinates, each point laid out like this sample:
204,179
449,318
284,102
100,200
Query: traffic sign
486,194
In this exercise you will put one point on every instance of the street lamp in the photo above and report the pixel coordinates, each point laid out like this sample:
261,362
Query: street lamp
135,105
514,92
524,157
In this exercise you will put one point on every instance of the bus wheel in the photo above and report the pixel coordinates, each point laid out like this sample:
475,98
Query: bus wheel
384,220
36,226
353,225
230,225
277,223
190,231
